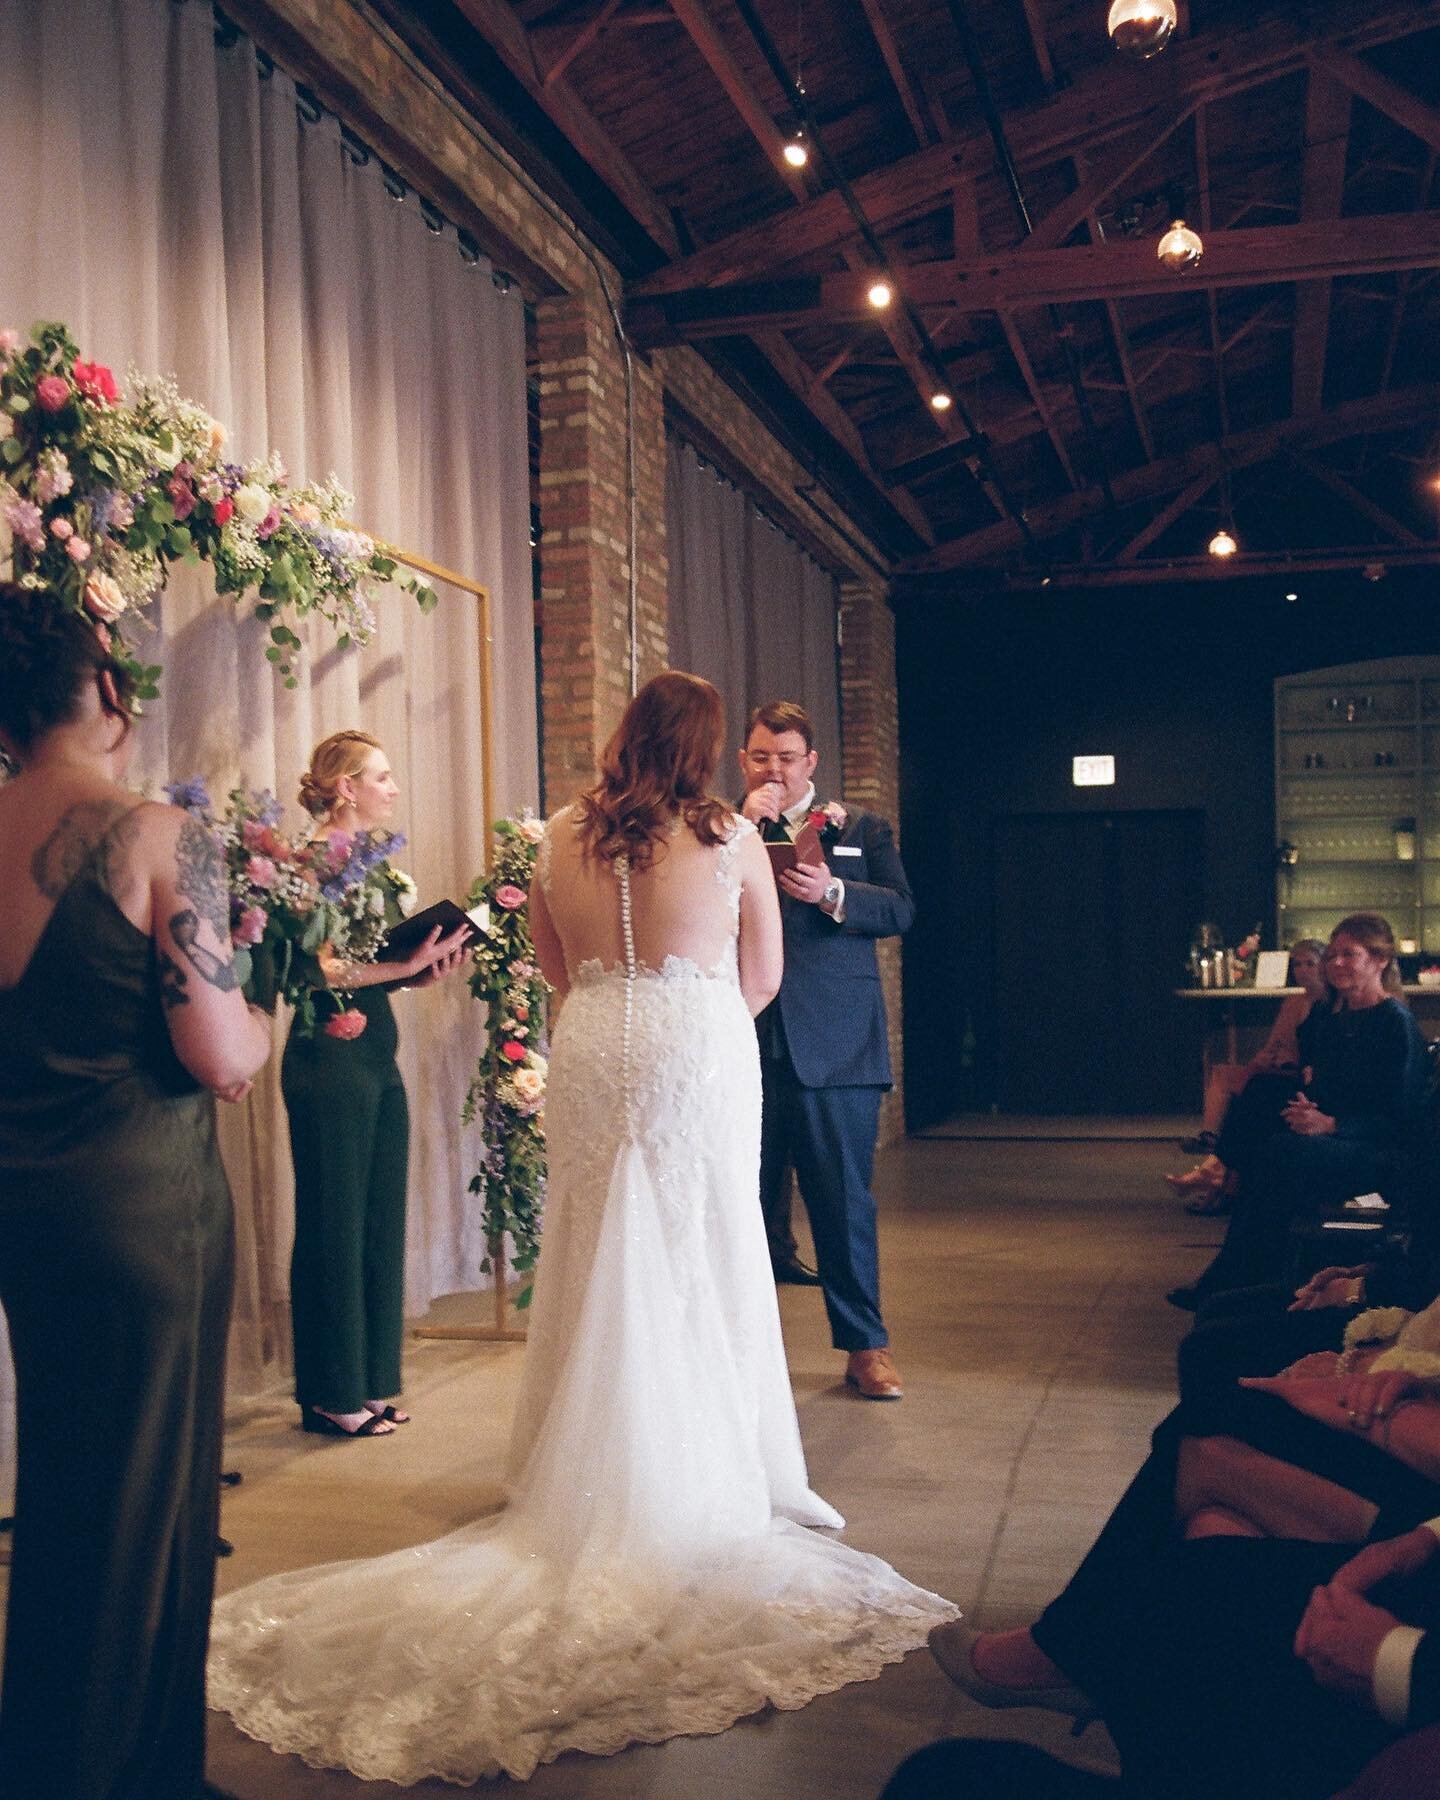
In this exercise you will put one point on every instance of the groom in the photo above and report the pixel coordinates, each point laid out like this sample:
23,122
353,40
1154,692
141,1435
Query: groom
824,1055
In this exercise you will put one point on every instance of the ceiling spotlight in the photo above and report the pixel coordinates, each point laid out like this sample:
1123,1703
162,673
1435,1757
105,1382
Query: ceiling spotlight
1375,571
1142,28
941,401
1180,248
795,152
1292,597
880,294
1223,544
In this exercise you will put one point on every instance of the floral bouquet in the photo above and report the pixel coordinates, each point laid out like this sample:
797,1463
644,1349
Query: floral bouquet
507,1093
289,901
101,493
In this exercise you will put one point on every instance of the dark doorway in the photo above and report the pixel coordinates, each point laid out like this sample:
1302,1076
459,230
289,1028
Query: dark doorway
1093,917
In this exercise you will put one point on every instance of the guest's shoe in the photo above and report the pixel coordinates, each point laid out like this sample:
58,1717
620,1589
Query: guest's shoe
1207,1177
789,1271
874,1373
953,1647
376,1425
1202,1144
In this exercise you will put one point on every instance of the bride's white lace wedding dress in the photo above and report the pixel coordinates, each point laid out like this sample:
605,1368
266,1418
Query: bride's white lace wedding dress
656,1572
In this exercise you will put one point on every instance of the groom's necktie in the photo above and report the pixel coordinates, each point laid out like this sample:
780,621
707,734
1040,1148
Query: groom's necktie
775,831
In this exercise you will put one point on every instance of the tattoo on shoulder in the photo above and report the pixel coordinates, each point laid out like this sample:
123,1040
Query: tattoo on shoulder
101,833
218,971
200,876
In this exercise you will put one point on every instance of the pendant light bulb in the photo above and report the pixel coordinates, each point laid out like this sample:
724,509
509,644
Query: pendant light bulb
941,401
795,152
1223,543
880,294
1142,28
1180,248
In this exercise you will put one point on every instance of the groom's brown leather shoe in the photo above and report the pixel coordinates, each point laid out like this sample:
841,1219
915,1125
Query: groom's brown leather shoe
875,1374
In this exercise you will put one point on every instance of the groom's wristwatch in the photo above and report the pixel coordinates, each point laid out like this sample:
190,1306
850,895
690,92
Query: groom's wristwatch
830,899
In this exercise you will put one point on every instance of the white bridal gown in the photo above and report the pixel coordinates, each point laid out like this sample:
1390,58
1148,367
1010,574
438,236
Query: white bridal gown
657,1571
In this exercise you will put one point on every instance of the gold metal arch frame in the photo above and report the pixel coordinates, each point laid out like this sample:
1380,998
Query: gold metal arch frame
501,1331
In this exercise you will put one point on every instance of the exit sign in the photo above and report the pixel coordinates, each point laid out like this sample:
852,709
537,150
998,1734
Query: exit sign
1093,771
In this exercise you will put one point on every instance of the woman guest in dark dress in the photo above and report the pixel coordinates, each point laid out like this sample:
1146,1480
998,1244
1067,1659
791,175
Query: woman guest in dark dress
120,1019
1345,1129
350,1139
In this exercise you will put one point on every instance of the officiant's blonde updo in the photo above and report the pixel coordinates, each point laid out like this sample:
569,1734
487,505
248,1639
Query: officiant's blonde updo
659,762
341,757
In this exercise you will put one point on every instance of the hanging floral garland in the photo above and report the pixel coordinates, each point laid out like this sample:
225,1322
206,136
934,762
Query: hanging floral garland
101,493
507,1094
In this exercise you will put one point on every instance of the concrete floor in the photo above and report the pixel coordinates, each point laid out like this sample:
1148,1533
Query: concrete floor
1023,1286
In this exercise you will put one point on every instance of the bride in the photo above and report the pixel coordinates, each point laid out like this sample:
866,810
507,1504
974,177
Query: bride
658,1571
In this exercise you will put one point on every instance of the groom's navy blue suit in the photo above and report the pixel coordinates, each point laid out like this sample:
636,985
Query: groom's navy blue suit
825,1058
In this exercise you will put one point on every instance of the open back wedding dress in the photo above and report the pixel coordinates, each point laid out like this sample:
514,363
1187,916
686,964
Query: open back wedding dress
656,1572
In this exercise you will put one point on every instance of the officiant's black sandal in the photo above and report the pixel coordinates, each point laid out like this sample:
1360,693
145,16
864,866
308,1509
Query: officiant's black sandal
324,1426
394,1416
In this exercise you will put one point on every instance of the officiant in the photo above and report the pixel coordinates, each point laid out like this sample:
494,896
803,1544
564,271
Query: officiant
824,1051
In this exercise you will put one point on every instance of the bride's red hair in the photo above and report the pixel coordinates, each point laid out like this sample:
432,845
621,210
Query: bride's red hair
658,765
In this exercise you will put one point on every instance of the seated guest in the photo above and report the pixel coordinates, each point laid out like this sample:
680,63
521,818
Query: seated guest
1345,1127
1278,1055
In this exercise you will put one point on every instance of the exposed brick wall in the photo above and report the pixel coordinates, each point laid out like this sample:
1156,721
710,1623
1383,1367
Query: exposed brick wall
870,725
585,529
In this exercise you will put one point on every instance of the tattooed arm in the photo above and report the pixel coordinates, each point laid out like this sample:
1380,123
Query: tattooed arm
220,1040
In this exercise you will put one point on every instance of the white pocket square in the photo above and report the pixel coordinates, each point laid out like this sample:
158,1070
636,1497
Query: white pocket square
846,850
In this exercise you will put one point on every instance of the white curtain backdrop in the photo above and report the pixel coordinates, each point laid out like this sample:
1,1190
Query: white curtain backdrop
163,197
749,609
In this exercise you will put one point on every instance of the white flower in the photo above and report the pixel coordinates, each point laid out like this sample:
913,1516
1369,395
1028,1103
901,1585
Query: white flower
377,902
529,1084
531,829
166,459
252,502
103,597
406,892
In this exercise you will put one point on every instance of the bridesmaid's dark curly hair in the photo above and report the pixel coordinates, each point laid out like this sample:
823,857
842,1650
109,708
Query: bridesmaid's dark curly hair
658,764
47,656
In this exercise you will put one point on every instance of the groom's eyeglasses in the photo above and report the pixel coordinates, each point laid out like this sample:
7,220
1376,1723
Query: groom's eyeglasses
761,759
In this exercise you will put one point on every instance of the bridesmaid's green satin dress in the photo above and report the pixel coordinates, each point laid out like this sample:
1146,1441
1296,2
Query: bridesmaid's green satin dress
116,1265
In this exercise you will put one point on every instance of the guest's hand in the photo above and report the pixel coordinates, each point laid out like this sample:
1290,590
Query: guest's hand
1370,1399
1304,1117
1334,1286
1403,1555
762,803
1340,1636
805,881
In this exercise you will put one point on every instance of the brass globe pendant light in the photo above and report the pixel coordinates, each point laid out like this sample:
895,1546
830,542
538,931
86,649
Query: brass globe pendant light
1180,248
1142,28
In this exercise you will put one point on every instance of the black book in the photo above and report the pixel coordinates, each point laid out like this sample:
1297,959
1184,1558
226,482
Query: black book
411,933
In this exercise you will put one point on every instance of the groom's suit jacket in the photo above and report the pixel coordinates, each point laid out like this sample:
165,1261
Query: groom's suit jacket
829,1015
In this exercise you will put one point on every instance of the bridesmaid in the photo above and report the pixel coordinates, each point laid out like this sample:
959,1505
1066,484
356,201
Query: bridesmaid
120,1019
349,1137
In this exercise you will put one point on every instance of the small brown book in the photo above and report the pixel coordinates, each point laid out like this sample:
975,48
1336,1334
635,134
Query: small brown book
805,848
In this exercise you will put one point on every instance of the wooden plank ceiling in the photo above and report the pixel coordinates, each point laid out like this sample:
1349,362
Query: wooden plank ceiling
1107,414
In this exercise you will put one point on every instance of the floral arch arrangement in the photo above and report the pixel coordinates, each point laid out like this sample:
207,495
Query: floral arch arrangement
101,493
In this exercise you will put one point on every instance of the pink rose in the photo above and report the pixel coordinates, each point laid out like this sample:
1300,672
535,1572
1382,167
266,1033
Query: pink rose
224,510
62,529
51,393
513,1052
78,550
103,597
511,898
346,1025
251,927
260,872
96,382
269,525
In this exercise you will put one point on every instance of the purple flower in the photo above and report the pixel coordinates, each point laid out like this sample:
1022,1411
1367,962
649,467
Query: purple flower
191,794
23,518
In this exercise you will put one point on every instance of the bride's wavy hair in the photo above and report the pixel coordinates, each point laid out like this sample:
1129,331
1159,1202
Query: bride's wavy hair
658,765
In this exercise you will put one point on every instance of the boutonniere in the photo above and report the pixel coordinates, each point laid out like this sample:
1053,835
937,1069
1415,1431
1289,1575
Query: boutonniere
828,819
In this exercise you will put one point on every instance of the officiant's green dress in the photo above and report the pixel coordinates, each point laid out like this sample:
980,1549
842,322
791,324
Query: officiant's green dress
115,1276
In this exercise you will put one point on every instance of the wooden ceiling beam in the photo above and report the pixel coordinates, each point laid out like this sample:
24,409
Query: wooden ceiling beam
1151,481
1386,96
498,23
1040,43
1037,396
890,51
1283,566
1322,193
1357,501
581,40
1104,104
1119,337
1190,495
1118,269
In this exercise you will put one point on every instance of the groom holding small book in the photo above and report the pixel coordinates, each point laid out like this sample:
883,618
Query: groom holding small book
824,1053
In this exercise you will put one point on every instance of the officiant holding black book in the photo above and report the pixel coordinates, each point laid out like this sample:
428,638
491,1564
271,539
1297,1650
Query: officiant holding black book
350,1135
824,1051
